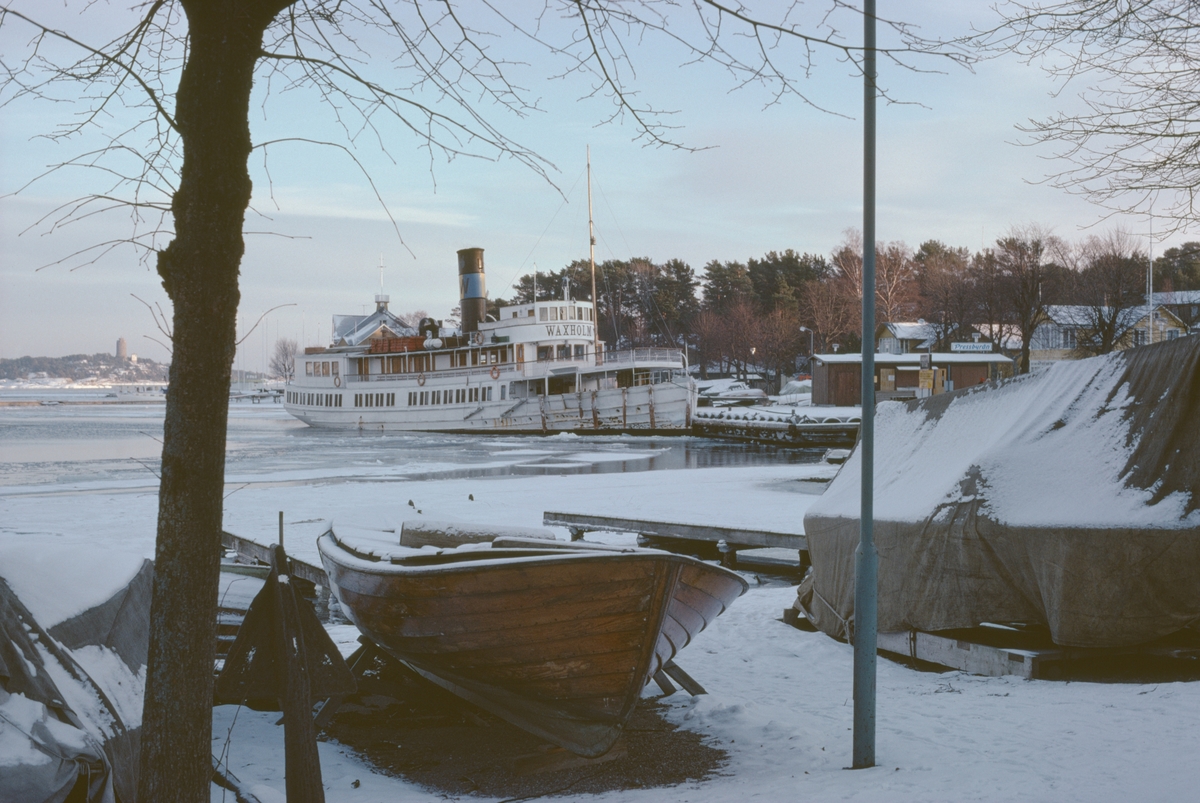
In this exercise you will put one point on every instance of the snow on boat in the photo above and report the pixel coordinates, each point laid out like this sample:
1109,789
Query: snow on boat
540,368
1068,498
559,642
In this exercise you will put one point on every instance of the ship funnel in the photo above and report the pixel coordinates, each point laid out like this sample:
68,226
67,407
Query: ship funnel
472,288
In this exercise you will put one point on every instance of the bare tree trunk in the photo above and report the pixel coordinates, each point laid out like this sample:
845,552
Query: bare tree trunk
200,273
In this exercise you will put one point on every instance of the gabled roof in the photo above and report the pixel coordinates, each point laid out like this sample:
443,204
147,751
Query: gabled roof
1083,316
920,330
351,330
1178,297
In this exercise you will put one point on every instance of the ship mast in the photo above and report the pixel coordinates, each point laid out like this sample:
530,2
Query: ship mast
592,260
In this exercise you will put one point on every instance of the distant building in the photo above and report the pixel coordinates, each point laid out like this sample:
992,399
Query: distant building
1064,329
914,338
122,349
1184,305
837,379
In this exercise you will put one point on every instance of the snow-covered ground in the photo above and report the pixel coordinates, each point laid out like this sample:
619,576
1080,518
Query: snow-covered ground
779,699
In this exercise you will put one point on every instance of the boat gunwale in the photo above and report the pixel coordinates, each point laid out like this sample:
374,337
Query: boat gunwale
471,561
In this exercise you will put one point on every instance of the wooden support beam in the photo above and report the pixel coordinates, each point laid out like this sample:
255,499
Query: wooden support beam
664,683
684,679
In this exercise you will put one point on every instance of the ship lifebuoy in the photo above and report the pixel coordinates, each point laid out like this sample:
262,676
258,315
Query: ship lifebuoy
337,381
495,372
421,380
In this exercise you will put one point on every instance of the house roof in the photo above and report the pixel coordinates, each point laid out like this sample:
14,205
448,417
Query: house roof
1084,316
1178,297
350,330
921,330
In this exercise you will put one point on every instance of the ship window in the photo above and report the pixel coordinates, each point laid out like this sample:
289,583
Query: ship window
324,369
391,400
554,313
338,399
335,368
378,399
503,394
564,352
543,353
514,313
424,397
542,313
531,312
578,351
494,357
572,312
307,368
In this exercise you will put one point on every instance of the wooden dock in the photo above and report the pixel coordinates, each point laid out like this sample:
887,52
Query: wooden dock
781,431
256,553
728,540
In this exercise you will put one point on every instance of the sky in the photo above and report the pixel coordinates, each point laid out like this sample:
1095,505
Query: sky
756,177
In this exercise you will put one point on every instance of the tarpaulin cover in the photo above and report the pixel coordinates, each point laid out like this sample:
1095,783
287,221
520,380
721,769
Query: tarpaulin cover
70,698
1069,497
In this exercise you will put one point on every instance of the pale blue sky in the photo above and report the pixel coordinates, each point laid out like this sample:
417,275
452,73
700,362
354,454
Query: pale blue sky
787,176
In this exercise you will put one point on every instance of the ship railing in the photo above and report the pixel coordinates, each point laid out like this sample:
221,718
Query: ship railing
634,356
540,368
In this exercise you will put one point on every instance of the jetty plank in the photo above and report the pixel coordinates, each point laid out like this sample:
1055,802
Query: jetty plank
734,536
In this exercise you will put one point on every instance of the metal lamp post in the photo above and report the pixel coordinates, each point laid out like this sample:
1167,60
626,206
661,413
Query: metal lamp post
866,559
811,347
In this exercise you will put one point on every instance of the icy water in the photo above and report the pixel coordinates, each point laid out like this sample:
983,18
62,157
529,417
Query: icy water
99,445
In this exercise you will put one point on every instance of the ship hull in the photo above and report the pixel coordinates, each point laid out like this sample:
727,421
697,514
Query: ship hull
667,406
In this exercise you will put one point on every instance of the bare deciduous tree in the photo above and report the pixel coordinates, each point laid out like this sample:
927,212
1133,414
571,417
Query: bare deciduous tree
1110,288
947,296
895,282
283,360
1135,146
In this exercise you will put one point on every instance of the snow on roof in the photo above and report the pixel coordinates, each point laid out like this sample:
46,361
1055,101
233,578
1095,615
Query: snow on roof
351,330
939,358
1081,315
1084,316
1178,297
921,330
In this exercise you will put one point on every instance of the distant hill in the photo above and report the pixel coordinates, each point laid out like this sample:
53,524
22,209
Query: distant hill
80,367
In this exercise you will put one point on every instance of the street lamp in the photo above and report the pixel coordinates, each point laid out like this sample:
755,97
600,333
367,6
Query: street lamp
811,348
810,339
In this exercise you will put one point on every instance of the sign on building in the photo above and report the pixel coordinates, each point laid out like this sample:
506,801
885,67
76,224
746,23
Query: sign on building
985,348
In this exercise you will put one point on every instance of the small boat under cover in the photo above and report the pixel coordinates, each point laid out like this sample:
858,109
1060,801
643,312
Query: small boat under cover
557,641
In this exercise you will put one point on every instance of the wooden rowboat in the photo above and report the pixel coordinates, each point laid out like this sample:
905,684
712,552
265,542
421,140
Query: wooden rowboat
559,642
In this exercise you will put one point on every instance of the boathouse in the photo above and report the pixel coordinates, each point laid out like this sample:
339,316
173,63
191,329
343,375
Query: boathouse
836,377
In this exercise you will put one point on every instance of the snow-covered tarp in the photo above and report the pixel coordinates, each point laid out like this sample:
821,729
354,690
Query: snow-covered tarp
71,690
1070,498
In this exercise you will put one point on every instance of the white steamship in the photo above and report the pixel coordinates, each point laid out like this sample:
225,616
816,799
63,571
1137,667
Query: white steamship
540,368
